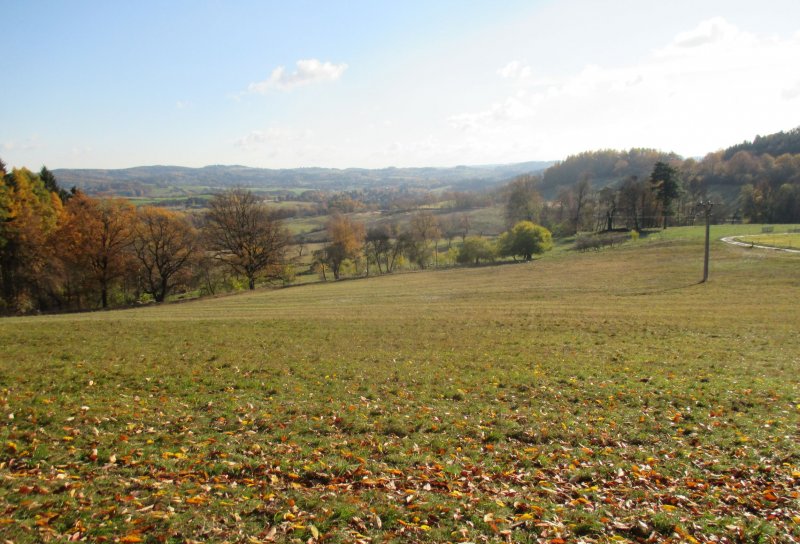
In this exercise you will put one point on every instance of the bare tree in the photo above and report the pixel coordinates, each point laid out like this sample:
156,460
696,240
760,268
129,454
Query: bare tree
524,203
424,228
582,190
242,233
378,246
165,245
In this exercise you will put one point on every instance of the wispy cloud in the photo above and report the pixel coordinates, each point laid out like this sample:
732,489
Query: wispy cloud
270,138
513,109
27,144
515,70
307,72
710,31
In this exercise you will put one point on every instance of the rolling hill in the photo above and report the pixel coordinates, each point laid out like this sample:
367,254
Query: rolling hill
144,180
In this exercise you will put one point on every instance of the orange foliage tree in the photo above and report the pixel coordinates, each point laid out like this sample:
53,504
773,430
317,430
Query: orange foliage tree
96,235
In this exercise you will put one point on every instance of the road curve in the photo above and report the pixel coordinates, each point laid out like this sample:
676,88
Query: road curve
734,241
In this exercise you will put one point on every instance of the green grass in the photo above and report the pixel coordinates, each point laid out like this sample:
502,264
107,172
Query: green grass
601,395
780,240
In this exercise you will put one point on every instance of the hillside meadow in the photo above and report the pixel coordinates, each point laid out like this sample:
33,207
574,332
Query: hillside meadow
596,397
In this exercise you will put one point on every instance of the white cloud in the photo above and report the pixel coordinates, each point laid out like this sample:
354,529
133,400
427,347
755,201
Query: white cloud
515,70
714,76
252,140
182,104
710,31
307,71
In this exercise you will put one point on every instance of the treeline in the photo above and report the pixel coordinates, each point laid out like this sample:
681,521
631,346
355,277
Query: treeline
64,251
776,144
760,188
634,204
608,189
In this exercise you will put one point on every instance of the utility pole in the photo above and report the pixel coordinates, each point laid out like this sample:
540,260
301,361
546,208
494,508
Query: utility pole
706,205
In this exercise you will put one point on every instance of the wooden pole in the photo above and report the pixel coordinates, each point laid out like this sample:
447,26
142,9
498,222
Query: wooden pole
707,209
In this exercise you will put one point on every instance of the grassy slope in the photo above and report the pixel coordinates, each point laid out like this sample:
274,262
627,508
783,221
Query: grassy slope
781,240
600,394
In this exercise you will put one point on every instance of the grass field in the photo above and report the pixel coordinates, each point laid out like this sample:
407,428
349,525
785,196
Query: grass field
782,240
597,397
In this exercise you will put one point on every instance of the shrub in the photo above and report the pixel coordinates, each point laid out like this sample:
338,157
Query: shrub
525,239
475,249
585,242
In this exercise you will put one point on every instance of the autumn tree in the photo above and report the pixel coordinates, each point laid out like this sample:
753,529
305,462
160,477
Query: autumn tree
96,235
29,215
665,183
346,240
525,239
165,245
245,236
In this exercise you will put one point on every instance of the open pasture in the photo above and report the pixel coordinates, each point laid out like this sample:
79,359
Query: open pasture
603,397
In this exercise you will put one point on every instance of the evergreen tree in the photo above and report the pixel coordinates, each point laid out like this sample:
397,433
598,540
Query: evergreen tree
50,183
667,186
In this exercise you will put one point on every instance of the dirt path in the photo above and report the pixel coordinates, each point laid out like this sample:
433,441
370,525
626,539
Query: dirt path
735,241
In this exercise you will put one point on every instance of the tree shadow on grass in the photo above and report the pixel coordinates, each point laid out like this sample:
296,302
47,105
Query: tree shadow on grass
662,290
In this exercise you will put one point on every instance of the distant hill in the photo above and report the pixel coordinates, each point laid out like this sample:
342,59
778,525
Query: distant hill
601,168
147,180
774,144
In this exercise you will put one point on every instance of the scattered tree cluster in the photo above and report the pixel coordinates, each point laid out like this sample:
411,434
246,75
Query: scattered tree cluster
384,247
67,251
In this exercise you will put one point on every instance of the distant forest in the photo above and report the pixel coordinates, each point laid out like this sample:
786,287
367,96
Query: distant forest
756,181
776,145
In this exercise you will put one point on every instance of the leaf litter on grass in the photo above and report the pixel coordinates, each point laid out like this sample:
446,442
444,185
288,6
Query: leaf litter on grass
566,415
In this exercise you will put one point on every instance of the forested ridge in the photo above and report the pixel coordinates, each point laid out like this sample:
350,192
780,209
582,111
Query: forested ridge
773,144
756,181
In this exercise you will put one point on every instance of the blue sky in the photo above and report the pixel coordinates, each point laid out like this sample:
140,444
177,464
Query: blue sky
374,84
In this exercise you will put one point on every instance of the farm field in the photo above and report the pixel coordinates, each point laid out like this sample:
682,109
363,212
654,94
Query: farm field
596,397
